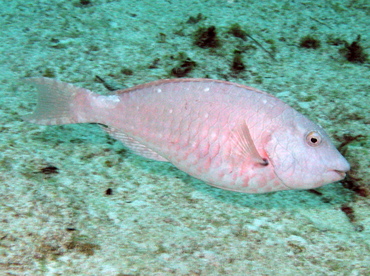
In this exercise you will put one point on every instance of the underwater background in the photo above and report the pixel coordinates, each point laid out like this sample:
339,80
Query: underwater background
76,202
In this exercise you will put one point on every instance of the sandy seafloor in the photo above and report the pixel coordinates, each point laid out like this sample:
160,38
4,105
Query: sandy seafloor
158,220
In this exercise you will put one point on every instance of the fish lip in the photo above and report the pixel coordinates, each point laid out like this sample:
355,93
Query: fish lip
341,173
338,175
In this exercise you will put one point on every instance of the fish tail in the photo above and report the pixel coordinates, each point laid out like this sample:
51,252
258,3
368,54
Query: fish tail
58,103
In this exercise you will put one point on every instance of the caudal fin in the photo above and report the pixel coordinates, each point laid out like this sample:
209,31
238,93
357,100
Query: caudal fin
56,102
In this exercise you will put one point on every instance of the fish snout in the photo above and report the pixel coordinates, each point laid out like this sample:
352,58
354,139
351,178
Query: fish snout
340,171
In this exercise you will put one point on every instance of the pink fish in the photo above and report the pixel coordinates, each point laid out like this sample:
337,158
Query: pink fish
231,136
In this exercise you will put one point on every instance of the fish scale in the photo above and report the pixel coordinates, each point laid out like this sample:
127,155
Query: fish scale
229,135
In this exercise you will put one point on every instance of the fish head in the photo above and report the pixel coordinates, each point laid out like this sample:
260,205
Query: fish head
302,154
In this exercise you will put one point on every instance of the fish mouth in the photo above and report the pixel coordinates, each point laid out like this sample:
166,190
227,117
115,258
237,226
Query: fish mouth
337,175
341,173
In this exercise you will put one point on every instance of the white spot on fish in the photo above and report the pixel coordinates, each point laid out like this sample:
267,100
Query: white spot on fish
114,98
106,101
264,101
213,136
170,111
206,115
159,90
206,89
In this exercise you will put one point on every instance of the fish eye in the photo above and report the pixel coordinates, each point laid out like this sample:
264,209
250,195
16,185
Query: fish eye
313,139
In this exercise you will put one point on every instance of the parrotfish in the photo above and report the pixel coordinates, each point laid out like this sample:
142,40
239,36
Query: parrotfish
231,136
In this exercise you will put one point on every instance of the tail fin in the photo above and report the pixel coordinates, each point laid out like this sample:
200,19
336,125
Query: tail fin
56,102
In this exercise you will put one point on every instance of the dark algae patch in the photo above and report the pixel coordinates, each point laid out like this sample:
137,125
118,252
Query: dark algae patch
309,42
49,170
206,37
237,31
237,65
84,248
185,67
354,52
195,19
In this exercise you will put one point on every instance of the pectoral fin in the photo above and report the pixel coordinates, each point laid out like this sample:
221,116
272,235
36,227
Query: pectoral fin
244,144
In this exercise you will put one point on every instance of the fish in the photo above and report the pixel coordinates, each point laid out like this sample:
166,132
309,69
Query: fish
229,135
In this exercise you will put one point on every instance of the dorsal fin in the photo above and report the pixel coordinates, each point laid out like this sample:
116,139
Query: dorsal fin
191,80
245,146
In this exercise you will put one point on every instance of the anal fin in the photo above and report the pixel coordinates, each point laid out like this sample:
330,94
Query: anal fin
134,145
